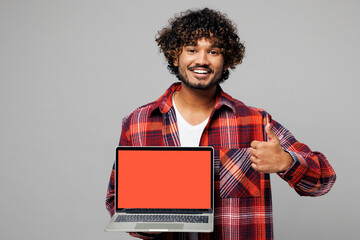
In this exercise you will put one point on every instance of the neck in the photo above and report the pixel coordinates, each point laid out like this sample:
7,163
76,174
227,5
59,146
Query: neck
196,99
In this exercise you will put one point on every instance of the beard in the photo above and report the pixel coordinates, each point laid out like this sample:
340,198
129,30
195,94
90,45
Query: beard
199,85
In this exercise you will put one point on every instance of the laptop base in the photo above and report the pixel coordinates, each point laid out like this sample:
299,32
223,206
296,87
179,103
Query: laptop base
158,227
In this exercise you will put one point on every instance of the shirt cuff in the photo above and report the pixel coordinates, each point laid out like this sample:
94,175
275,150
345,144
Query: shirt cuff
144,235
297,170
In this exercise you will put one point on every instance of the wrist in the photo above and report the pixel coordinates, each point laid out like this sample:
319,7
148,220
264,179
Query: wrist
287,161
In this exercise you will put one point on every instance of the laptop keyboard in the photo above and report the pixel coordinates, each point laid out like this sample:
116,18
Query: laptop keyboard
162,218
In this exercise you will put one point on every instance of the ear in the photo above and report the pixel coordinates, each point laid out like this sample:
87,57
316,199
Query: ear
176,62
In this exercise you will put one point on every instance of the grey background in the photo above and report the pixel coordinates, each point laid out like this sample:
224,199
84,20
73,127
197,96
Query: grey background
71,70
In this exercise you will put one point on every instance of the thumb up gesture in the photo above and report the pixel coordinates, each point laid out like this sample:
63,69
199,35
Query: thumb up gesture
269,157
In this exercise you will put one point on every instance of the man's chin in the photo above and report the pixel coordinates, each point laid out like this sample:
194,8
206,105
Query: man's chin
199,86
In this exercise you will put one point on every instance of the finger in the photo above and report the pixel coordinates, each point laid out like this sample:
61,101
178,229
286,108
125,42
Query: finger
270,134
253,165
253,152
253,159
254,144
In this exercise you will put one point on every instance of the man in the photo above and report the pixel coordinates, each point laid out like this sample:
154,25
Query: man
200,47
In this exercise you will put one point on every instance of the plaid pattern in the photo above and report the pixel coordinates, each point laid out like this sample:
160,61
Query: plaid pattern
243,207
237,177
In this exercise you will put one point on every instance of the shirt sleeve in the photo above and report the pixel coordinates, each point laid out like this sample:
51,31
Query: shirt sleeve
110,195
311,174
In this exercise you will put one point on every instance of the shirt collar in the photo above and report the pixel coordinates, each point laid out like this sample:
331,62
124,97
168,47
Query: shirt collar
164,103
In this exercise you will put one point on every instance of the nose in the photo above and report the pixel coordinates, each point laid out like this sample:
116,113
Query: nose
202,58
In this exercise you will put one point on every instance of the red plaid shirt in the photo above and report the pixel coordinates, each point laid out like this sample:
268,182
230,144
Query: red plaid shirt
243,207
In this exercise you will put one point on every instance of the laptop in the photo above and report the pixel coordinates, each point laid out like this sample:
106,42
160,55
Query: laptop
163,189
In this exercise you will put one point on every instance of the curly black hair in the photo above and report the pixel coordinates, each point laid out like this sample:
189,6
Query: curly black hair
191,25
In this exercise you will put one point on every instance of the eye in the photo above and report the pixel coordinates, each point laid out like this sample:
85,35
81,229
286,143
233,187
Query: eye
214,52
191,50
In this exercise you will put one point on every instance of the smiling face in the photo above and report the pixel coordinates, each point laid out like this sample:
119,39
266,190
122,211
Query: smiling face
201,65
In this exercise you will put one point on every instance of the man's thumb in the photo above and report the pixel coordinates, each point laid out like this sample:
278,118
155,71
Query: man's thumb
270,134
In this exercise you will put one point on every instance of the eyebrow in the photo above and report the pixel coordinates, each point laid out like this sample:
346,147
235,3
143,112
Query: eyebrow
194,45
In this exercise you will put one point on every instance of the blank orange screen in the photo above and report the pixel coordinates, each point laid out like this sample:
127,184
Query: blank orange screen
164,179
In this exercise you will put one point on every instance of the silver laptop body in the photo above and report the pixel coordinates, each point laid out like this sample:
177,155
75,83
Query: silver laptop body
163,189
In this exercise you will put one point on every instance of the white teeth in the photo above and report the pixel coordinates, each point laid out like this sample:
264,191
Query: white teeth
200,71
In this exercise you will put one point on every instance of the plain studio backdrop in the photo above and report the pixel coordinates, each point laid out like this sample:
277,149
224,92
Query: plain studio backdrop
71,70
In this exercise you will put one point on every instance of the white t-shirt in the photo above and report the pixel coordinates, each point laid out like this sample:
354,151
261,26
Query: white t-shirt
189,135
